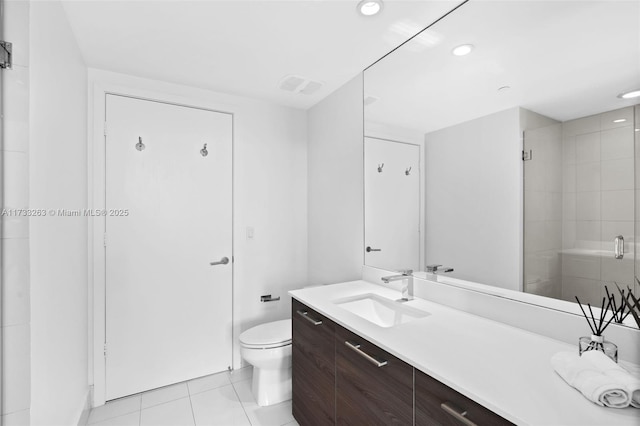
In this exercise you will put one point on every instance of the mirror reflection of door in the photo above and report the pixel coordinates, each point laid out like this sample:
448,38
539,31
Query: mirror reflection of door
392,204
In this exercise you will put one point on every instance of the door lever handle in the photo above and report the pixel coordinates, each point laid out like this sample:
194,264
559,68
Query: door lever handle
369,249
222,261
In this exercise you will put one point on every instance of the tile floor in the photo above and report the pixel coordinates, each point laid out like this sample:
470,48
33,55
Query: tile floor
222,399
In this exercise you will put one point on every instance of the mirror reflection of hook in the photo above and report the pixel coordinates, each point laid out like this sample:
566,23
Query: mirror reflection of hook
380,166
408,171
140,146
204,151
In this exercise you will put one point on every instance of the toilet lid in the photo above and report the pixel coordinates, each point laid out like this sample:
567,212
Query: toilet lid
268,334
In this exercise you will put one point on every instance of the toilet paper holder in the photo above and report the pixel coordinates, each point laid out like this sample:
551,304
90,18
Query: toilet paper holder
268,298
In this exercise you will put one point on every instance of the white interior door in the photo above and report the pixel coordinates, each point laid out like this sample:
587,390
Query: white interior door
169,214
392,204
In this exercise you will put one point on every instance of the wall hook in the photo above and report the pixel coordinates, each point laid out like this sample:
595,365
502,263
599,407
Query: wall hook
140,146
204,151
380,166
408,171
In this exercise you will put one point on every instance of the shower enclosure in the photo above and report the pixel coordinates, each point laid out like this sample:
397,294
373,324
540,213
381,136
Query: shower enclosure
580,220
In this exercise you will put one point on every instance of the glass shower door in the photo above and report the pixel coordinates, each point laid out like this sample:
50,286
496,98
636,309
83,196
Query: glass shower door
579,207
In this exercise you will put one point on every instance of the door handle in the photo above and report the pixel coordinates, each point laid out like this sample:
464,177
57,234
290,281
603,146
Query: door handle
618,247
222,261
369,249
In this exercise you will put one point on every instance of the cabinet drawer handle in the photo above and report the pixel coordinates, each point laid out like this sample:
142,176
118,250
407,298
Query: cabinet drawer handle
356,348
461,416
305,315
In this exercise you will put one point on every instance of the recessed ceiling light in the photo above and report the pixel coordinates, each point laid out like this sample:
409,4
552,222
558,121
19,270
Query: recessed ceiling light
370,7
620,120
630,94
462,50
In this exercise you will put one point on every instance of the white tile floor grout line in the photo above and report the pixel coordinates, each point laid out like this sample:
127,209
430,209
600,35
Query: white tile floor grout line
241,404
193,414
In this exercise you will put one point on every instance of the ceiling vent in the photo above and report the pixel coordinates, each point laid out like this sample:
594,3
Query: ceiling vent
297,84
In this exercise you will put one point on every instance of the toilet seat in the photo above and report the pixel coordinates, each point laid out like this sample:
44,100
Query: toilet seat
267,336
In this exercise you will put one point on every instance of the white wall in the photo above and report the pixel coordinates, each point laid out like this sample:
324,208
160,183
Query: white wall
58,120
473,199
336,215
270,185
15,388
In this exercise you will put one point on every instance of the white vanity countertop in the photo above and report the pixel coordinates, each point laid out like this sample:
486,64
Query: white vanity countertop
504,368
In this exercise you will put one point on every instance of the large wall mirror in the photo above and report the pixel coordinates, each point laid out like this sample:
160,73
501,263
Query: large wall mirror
518,148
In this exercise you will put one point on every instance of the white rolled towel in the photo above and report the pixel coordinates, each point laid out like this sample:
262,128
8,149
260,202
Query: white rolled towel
619,375
587,377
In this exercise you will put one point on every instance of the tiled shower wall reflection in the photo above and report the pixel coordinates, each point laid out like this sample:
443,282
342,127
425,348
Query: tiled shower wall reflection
575,207
598,204
16,392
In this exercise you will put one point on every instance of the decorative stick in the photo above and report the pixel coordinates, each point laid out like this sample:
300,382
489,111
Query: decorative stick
593,318
585,315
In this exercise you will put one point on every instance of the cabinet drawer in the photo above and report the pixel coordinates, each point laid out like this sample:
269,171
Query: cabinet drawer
372,386
313,374
438,404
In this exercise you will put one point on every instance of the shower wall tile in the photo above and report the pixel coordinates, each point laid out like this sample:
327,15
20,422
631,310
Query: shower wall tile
553,207
588,177
569,206
588,234
588,147
569,178
607,118
16,180
15,227
569,150
588,205
553,235
581,126
534,239
535,205
15,278
15,105
617,174
617,143
17,376
569,234
617,205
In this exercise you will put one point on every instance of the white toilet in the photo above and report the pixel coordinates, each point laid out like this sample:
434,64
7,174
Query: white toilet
268,348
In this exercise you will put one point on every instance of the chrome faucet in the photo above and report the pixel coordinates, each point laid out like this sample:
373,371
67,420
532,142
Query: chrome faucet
407,288
436,269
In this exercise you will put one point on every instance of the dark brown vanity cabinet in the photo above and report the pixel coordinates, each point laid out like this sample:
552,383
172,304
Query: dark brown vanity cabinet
313,374
438,404
372,386
341,378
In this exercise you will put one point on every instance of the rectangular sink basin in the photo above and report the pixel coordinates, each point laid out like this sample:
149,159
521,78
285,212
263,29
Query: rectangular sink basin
380,310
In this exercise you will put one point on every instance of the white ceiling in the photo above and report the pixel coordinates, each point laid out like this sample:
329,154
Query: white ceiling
244,47
562,59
